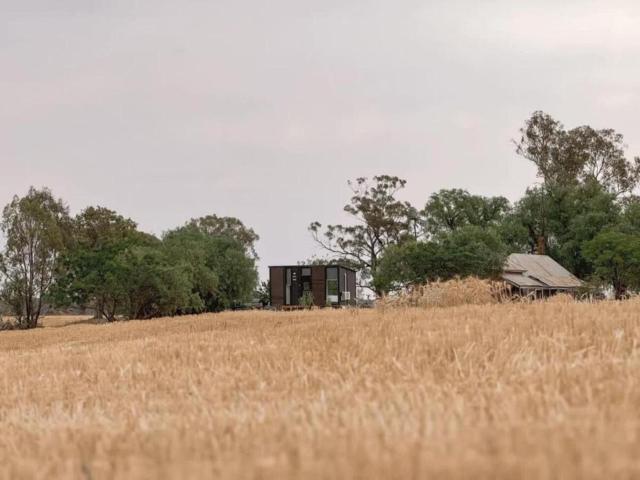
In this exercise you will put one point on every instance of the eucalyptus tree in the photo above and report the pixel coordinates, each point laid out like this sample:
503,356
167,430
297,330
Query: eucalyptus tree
90,268
36,227
380,220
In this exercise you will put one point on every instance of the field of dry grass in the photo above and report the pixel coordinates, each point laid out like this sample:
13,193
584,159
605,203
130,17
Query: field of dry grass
543,391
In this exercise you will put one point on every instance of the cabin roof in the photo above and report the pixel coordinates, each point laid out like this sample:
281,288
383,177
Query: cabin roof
538,271
310,266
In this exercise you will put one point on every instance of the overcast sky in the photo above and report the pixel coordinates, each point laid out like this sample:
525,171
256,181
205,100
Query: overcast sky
262,110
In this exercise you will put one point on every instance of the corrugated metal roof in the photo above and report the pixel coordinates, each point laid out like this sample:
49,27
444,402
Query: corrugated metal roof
522,281
539,268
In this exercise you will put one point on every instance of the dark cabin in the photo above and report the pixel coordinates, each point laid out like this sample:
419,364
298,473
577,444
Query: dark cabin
330,285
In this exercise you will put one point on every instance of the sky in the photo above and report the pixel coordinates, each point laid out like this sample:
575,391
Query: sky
167,110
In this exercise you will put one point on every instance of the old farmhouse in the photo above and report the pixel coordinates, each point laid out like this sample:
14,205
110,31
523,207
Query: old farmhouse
538,275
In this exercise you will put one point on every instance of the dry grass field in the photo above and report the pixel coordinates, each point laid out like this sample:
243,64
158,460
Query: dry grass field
548,390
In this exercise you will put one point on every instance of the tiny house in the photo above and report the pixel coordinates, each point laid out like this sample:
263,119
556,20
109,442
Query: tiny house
325,285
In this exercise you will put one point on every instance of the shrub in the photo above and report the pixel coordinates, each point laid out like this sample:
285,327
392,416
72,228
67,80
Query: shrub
307,300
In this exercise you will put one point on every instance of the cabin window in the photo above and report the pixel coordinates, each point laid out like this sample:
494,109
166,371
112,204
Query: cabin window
306,280
287,289
333,288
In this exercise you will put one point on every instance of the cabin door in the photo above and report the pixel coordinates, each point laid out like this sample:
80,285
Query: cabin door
293,287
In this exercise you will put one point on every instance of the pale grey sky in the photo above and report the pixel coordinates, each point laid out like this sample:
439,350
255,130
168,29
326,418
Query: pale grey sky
263,109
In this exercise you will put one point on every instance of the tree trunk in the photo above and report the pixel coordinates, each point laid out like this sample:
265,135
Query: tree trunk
541,250
620,291
110,313
99,309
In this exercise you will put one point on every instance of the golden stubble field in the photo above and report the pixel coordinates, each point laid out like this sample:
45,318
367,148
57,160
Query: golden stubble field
547,390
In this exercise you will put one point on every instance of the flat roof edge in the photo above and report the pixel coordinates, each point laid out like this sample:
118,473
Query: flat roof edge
310,266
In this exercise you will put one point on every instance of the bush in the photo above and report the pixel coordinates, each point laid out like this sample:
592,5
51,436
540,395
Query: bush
306,300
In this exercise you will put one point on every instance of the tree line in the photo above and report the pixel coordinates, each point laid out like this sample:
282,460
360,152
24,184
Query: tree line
101,260
583,212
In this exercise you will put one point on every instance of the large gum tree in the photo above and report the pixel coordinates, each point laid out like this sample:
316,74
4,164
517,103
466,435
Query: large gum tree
36,230
379,220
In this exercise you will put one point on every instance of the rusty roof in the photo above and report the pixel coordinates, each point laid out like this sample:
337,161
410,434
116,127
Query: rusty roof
538,271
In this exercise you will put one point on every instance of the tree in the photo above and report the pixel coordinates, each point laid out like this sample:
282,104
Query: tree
221,272
528,225
153,285
36,229
449,210
580,155
616,258
578,217
473,251
263,293
90,273
95,227
411,263
630,216
559,221
230,227
381,220
605,161
570,162
545,142
237,274
468,251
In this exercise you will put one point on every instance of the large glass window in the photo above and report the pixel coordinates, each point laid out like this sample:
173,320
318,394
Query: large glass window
333,288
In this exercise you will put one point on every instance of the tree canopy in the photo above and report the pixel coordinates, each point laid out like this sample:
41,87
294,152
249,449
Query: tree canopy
580,155
616,260
92,266
468,251
449,210
222,274
229,227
